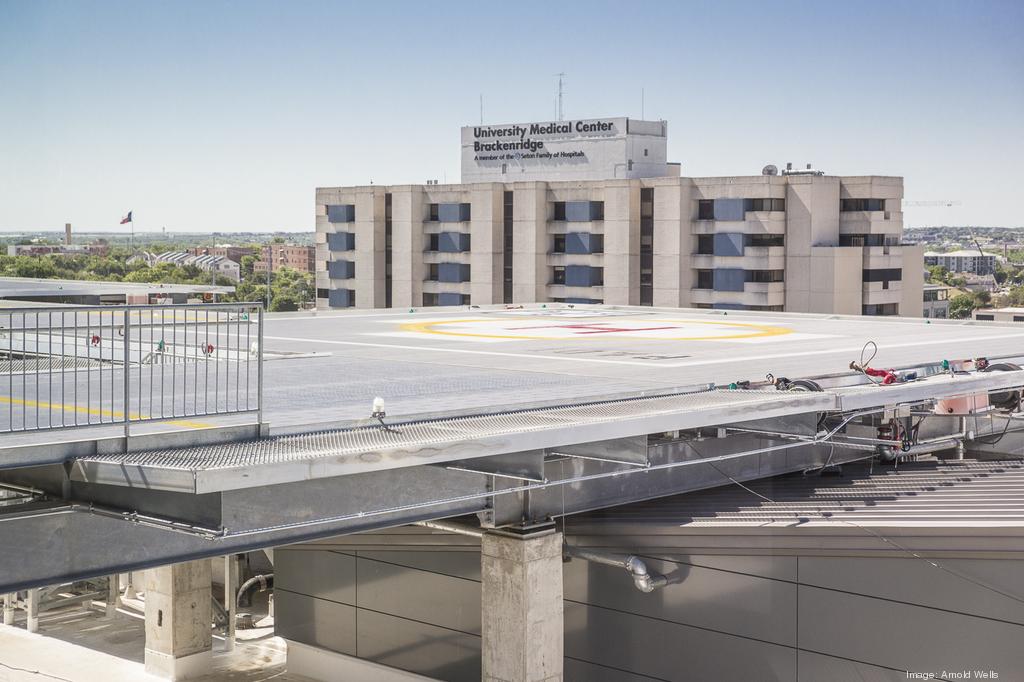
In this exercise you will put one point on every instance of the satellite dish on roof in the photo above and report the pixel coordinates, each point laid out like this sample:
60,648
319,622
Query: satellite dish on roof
769,170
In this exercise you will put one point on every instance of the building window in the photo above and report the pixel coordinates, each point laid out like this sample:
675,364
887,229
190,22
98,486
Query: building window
646,245
559,244
985,317
323,293
558,274
766,276
764,204
432,213
766,308
507,243
881,309
705,279
764,240
387,249
706,244
883,275
847,205
449,242
869,240
577,211
341,213
705,209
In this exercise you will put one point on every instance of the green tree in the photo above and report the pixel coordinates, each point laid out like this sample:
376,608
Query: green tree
961,306
937,274
284,301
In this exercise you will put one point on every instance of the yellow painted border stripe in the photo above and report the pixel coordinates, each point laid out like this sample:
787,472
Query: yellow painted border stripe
114,414
762,330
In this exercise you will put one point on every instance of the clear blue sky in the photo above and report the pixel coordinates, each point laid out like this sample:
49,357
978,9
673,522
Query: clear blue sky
204,116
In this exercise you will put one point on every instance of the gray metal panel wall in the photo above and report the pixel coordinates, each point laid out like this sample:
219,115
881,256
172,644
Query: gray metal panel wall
341,269
341,213
729,279
729,209
341,241
728,244
721,617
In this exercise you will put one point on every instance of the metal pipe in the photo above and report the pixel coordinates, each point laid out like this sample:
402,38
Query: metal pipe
643,579
264,582
449,527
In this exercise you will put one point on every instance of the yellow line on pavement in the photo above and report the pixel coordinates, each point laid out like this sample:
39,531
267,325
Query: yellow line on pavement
114,414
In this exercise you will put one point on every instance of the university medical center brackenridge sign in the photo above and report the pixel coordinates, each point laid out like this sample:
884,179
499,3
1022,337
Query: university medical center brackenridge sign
525,150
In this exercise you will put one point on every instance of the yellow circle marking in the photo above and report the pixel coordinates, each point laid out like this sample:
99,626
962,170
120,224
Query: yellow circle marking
757,330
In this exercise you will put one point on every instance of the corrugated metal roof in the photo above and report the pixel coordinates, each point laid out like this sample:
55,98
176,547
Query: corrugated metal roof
921,494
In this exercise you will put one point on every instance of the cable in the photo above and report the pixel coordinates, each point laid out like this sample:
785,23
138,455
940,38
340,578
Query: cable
860,367
385,426
984,440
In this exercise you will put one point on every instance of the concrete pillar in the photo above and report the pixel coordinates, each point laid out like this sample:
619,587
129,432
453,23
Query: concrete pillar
178,620
230,585
113,594
522,607
32,620
9,600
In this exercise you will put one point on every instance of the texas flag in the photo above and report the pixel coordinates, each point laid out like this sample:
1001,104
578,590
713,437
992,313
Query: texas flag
127,218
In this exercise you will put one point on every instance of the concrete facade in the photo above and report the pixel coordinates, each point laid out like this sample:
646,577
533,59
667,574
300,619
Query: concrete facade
797,243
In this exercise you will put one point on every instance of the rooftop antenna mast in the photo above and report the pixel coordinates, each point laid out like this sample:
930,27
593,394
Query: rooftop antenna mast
641,104
481,108
561,93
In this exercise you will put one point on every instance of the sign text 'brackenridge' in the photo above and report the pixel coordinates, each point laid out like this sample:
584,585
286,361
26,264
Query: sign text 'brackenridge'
525,134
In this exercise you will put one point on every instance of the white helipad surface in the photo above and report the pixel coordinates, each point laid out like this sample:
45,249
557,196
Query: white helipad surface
435,359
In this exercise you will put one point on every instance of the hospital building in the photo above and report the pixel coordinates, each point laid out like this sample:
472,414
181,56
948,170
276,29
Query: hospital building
592,211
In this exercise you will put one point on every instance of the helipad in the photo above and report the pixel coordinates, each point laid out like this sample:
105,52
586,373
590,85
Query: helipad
426,360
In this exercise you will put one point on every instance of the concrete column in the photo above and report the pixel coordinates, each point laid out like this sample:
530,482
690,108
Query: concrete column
113,594
522,607
230,584
32,621
178,620
9,608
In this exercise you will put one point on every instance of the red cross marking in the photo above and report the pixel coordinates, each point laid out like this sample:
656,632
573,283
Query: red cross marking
595,328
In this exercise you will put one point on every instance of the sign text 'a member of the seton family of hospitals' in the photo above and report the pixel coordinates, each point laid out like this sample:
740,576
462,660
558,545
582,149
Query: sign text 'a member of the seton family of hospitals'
556,150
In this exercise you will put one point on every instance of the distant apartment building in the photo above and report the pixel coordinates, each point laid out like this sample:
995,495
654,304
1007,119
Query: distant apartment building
974,262
99,248
936,301
212,264
801,241
301,258
999,314
232,253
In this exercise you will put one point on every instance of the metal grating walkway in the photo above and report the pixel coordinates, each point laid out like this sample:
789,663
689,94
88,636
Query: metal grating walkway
703,408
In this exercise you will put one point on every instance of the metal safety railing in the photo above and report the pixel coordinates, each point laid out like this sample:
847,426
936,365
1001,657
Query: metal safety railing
71,366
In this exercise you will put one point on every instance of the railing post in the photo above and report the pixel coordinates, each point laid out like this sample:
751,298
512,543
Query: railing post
259,374
127,378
